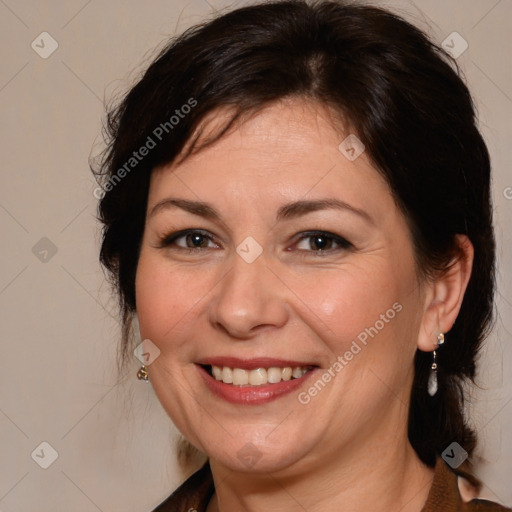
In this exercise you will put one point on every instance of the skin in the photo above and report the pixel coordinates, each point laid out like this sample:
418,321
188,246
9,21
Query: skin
347,449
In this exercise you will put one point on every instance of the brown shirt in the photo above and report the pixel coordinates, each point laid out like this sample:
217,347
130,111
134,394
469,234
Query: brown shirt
195,493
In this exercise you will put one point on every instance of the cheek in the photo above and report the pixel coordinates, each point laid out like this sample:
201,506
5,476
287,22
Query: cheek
366,314
164,297
350,299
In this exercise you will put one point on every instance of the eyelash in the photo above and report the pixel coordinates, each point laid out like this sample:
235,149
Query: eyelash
170,239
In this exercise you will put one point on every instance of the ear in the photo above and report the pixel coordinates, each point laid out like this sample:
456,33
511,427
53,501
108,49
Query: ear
444,294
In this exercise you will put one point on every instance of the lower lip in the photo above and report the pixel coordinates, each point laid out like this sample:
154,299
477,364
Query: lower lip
251,395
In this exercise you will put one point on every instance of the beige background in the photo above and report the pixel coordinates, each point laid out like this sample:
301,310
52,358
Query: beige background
58,382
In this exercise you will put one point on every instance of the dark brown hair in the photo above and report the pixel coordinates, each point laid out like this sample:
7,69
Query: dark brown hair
402,96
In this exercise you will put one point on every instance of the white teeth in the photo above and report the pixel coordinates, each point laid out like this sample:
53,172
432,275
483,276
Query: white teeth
297,372
286,373
258,376
240,377
227,375
274,375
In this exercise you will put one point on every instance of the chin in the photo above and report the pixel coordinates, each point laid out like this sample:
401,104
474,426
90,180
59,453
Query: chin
248,457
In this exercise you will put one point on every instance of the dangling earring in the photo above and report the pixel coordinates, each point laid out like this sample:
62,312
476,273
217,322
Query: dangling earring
142,374
432,379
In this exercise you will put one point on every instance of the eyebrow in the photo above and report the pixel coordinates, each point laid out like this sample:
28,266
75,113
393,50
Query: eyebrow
287,211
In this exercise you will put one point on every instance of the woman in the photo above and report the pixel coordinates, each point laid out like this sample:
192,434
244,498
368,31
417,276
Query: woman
296,208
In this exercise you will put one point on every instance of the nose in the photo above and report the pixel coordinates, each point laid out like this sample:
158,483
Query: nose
249,298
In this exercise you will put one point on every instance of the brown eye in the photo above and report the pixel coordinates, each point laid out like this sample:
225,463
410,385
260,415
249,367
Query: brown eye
321,242
196,240
188,239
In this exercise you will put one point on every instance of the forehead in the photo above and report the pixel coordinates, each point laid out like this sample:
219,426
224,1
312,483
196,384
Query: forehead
291,148
276,126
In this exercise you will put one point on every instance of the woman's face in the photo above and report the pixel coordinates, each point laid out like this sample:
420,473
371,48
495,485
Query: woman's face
273,250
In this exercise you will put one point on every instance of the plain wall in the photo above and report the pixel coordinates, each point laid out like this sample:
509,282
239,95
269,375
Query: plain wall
59,332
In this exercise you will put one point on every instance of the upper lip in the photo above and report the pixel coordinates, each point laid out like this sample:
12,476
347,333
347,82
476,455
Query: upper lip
252,364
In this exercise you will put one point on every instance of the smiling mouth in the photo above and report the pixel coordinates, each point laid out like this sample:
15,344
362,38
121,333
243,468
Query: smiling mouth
258,376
